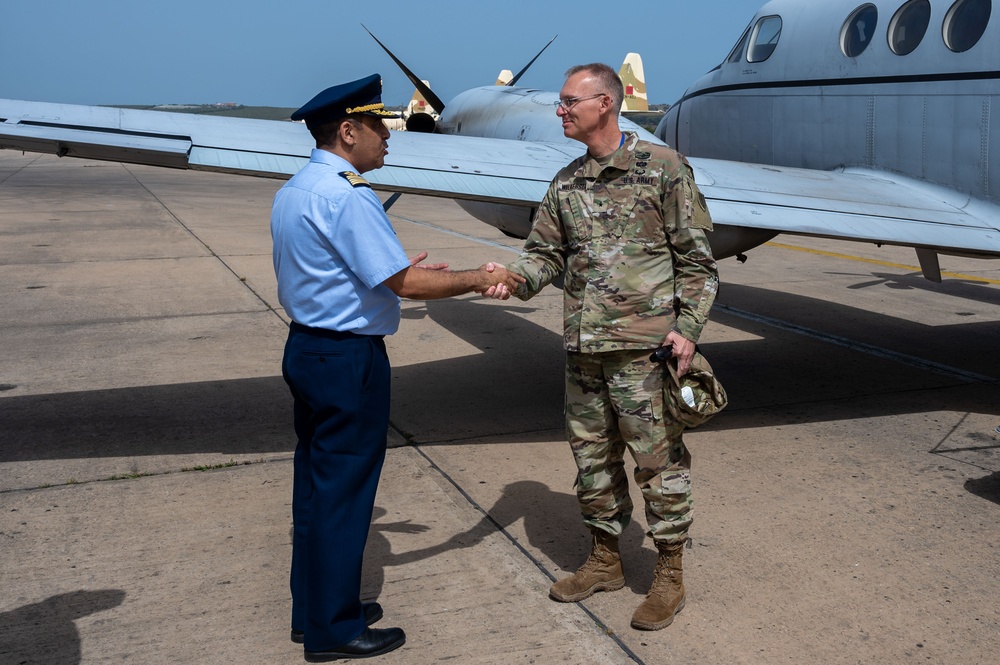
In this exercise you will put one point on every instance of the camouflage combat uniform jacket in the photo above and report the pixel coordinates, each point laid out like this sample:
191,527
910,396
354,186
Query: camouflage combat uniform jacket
631,236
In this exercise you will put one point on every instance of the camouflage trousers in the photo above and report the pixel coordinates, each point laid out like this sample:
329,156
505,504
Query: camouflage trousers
614,401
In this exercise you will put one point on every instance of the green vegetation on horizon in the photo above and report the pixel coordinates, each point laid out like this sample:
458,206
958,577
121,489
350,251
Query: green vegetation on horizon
239,111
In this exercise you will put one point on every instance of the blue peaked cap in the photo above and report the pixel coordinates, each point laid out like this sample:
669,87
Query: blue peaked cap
361,96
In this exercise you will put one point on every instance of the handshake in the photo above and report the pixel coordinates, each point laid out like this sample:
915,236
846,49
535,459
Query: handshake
499,282
432,281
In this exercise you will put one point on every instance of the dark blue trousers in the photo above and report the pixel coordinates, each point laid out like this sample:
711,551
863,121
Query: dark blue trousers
340,384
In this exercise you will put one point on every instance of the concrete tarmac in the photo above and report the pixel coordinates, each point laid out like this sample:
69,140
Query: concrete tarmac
846,502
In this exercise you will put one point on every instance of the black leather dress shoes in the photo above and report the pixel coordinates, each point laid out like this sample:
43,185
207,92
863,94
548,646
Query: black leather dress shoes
373,612
371,642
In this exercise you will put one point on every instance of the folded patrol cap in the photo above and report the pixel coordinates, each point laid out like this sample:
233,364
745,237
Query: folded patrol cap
361,96
695,397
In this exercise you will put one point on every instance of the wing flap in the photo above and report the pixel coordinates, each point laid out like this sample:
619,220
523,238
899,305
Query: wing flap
245,162
61,141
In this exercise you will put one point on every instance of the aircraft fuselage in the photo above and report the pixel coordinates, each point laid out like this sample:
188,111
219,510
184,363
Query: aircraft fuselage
926,113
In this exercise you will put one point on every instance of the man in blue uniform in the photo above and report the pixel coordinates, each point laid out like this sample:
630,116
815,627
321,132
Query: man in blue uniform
341,271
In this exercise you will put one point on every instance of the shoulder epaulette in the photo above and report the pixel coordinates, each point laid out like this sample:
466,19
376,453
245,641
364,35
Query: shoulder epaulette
354,179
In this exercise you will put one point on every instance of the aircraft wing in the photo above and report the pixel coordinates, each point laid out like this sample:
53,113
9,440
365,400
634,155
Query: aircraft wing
491,170
849,204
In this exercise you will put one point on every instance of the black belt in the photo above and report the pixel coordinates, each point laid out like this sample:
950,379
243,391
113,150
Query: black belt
328,334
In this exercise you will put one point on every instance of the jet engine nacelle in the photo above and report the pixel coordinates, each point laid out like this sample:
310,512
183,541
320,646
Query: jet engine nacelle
729,241
513,221
516,221
421,122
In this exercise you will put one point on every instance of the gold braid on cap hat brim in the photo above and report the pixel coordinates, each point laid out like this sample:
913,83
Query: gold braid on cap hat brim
370,107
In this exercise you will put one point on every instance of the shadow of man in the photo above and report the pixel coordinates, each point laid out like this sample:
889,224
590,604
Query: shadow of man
378,552
552,525
45,632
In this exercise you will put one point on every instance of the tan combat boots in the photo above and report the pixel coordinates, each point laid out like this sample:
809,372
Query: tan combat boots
666,596
602,571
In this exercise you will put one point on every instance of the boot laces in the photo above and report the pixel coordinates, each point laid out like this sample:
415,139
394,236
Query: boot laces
663,572
664,575
597,558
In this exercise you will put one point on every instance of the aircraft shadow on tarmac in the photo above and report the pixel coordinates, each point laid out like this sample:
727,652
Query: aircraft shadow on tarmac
234,417
987,487
955,287
551,523
963,343
776,378
514,388
45,632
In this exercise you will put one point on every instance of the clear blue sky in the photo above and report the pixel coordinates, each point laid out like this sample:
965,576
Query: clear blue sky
280,53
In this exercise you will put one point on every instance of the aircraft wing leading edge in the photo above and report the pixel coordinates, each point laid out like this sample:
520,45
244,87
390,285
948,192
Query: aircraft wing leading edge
858,205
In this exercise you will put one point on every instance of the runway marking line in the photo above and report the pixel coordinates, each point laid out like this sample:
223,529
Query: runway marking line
887,264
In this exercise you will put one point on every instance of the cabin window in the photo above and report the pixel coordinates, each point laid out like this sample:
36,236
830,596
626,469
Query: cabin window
858,30
765,38
965,23
737,53
908,26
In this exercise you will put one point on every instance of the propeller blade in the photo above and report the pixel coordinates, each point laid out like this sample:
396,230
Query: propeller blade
513,81
431,98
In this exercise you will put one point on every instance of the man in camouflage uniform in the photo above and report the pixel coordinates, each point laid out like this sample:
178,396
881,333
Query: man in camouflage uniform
627,224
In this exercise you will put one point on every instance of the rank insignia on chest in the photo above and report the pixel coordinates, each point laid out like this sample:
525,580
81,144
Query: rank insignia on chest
354,179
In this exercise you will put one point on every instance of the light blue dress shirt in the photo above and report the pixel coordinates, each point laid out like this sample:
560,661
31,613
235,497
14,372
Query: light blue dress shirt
333,248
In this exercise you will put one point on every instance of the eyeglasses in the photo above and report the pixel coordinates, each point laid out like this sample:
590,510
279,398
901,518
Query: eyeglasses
567,104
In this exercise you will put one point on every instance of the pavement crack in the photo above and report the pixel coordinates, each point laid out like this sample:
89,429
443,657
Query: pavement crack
204,244
136,475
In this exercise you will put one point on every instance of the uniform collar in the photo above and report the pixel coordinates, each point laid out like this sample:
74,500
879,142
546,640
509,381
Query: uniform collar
326,157
621,159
